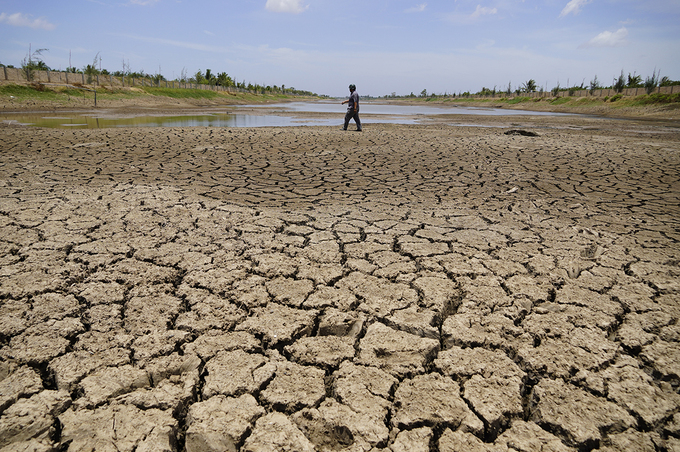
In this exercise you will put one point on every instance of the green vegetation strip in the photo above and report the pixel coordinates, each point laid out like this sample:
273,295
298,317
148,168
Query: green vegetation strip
179,93
42,92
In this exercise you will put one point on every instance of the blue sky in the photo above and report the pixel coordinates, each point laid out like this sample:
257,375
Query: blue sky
382,46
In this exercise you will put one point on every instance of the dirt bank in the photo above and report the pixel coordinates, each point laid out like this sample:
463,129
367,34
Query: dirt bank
55,97
438,287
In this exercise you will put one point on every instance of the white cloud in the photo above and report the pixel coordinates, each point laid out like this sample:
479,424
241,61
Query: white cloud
608,39
417,9
574,6
285,6
143,2
483,10
24,20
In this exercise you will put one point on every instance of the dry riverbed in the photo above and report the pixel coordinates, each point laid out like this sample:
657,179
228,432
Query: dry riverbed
432,287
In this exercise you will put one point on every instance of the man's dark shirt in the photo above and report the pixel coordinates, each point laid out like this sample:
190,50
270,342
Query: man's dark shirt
353,99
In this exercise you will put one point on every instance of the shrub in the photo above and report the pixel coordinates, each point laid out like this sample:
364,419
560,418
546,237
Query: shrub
634,81
620,83
659,98
665,81
179,93
529,86
518,99
594,85
614,98
560,100
656,99
652,82
556,90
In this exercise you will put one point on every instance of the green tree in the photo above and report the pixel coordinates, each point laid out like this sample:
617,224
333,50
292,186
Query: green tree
529,86
199,77
634,81
556,90
423,93
652,82
158,78
224,80
91,69
210,78
619,83
594,84
33,62
665,81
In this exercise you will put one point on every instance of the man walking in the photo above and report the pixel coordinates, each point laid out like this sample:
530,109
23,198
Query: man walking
352,108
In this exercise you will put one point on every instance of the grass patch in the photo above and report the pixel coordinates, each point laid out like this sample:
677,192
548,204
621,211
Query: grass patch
196,94
519,100
27,92
656,98
180,93
40,92
472,100
560,101
588,100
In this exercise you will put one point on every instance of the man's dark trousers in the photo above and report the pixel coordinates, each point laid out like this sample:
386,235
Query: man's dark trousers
351,114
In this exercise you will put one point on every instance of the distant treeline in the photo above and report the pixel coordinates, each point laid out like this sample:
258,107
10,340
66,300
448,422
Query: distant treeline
619,84
34,62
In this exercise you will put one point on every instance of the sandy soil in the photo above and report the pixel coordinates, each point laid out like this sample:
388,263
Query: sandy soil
438,287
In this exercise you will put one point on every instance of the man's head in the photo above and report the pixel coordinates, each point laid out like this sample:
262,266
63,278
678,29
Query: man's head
352,87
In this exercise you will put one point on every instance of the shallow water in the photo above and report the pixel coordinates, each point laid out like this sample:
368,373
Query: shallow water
402,110
285,116
207,120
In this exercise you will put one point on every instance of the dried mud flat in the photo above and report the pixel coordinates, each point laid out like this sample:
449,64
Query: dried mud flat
409,288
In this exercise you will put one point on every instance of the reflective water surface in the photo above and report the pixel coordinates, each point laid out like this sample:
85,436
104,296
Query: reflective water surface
407,110
281,115
207,120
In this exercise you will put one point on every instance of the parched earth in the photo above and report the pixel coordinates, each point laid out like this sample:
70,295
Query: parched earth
410,288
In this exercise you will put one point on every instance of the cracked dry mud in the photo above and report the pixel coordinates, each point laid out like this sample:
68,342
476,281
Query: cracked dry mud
411,288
